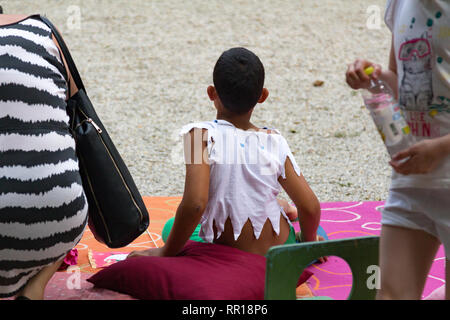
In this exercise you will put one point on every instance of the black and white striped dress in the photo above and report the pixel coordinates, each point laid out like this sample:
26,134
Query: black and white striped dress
43,209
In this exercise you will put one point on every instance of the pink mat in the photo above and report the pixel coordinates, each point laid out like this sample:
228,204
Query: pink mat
333,278
356,219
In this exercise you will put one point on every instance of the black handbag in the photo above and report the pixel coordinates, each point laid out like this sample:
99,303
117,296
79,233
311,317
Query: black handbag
117,214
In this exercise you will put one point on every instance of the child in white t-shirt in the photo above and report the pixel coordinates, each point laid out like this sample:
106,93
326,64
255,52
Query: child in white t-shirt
416,217
235,170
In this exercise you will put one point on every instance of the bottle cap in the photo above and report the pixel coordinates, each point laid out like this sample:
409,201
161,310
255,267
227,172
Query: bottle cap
369,70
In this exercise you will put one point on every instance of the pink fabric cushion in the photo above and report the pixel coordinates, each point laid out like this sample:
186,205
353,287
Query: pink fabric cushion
201,271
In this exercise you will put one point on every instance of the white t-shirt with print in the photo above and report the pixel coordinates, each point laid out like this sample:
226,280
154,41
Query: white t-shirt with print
421,35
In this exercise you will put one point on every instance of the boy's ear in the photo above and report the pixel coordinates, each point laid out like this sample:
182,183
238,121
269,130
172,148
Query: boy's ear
212,93
264,95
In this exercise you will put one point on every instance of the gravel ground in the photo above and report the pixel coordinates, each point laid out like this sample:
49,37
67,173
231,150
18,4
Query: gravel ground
146,66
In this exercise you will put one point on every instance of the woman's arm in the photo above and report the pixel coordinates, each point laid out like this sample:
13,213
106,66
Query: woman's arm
72,87
11,18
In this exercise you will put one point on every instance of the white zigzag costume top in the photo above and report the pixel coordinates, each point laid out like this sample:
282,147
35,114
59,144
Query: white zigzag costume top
243,184
43,209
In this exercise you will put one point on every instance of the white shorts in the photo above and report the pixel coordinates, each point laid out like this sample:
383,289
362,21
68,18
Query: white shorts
420,209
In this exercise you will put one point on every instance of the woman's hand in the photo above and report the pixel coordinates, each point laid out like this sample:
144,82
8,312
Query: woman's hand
424,156
153,252
355,76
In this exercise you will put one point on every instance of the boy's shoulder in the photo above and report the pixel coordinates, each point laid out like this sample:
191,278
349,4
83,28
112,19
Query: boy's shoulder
220,125
270,130
197,125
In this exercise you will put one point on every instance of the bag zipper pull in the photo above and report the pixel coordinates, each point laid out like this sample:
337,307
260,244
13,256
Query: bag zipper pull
94,125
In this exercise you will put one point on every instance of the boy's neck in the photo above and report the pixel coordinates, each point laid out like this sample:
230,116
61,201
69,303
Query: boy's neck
239,121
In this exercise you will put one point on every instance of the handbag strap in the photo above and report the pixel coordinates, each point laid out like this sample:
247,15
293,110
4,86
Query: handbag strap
66,53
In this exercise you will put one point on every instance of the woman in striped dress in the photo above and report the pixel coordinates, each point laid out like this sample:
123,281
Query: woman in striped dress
43,209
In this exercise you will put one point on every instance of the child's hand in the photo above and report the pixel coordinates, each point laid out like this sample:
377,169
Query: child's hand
153,252
290,211
355,76
424,157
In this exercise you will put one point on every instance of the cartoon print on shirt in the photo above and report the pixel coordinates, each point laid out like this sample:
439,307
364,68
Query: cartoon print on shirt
416,92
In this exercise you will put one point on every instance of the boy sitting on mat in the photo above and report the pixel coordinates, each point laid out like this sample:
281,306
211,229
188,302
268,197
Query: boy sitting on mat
235,170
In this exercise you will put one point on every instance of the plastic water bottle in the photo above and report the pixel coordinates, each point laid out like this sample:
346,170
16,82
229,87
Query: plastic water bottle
387,116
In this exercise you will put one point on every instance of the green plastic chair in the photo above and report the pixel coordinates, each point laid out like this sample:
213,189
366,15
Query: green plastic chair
285,263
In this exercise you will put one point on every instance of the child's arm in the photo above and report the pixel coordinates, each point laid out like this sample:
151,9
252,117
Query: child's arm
390,76
357,79
424,156
196,189
194,200
305,200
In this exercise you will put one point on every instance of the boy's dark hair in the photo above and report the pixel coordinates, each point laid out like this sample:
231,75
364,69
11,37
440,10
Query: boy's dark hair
1,10
239,79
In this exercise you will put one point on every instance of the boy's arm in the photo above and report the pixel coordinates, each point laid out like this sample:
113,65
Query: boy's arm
194,200
196,190
305,200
